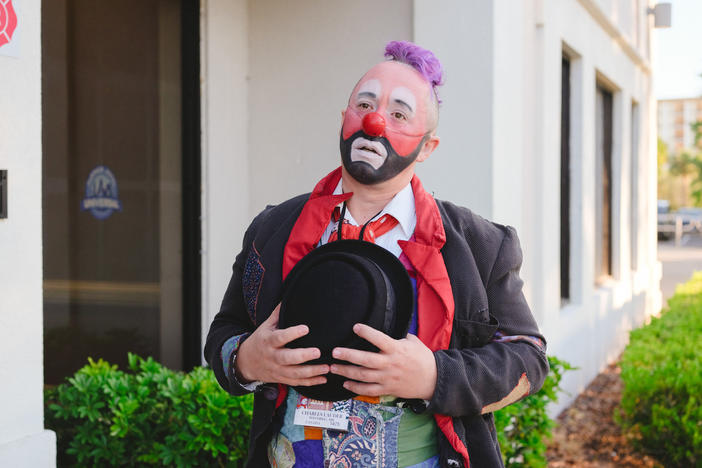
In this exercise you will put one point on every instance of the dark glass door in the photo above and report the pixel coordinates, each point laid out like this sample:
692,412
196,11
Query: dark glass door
112,182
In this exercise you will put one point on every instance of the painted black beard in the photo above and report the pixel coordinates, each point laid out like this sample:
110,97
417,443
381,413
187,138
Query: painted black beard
364,172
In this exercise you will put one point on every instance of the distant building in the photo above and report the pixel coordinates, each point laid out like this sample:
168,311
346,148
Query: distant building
675,116
141,137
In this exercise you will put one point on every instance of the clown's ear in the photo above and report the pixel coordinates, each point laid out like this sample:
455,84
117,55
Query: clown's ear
428,147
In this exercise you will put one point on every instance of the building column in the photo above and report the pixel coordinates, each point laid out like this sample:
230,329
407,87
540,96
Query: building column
224,66
23,440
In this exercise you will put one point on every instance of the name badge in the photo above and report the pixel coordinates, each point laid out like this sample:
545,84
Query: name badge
324,414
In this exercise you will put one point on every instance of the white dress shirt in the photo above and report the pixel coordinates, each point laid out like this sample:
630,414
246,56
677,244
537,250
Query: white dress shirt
401,207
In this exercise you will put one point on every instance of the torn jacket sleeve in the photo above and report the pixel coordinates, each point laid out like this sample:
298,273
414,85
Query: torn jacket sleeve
474,381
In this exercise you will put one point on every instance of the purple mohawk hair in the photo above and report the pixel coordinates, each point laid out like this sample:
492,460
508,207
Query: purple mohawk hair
422,60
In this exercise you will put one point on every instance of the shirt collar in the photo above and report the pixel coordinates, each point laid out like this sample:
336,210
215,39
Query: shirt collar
401,207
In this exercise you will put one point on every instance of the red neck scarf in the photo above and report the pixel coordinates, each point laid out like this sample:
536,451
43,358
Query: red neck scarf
435,298
435,304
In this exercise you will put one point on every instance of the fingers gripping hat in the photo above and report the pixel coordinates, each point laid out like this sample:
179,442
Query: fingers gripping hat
336,286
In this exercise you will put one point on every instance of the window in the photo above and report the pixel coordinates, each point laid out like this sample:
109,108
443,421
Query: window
120,183
603,184
635,186
565,178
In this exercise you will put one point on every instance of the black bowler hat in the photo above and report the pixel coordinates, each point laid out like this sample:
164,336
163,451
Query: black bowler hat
336,286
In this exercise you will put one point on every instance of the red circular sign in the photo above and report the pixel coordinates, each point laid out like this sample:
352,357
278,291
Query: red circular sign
8,21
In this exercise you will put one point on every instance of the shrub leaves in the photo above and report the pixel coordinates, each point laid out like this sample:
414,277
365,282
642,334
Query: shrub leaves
150,415
662,375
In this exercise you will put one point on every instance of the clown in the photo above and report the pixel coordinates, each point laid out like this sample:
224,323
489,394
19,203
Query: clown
390,120
425,400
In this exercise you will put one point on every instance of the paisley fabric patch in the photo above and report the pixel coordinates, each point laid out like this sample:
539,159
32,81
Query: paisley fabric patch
371,440
251,282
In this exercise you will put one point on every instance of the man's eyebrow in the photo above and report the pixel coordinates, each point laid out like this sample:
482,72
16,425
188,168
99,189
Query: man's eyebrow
367,94
403,103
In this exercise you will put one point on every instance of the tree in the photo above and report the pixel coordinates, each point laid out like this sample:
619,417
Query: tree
697,128
680,174
662,157
665,179
684,166
696,160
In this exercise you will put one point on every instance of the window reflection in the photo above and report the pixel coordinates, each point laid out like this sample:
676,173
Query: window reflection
111,98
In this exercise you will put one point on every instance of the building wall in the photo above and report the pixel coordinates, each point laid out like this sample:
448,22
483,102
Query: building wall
462,37
23,440
305,58
501,155
225,161
276,77
591,329
271,120
499,127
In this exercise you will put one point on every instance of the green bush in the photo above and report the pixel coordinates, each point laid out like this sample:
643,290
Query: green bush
149,416
662,375
155,416
524,427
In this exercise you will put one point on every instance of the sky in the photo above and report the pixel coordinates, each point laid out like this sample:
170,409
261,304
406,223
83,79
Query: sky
677,63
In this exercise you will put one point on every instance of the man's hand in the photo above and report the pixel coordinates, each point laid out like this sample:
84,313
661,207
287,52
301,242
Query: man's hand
263,356
403,368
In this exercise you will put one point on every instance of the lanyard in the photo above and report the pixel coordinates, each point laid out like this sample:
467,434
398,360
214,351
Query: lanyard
341,220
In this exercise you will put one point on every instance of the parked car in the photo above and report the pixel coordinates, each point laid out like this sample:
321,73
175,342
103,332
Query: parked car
690,219
663,206
691,216
666,221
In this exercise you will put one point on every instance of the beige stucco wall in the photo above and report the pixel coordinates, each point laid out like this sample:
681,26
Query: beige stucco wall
591,329
276,76
305,57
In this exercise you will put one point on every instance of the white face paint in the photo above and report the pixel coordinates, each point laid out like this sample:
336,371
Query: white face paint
368,94
398,93
402,98
372,152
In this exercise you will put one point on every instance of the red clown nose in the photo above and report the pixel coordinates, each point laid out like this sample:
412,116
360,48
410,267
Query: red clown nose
373,124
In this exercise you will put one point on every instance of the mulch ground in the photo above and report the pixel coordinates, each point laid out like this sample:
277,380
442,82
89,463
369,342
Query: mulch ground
587,435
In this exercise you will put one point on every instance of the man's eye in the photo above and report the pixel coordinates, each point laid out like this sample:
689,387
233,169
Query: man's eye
364,106
399,116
